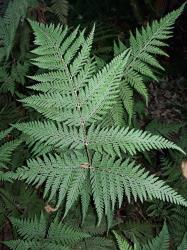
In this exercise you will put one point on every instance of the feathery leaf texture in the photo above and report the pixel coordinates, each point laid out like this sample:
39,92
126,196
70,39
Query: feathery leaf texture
77,147
114,140
15,13
109,179
146,44
183,245
7,148
160,242
60,8
122,243
35,233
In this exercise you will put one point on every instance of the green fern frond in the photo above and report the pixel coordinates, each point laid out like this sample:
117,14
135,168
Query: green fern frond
14,14
160,242
62,175
60,8
146,45
30,229
178,224
183,245
114,140
7,149
112,179
4,133
116,116
122,243
81,152
165,129
37,234
109,180
126,94
93,102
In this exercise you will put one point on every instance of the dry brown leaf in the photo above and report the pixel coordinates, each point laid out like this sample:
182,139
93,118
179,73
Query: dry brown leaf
50,209
184,168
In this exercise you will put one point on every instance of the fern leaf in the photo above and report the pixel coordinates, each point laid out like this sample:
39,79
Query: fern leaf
14,14
4,133
37,234
60,8
116,140
160,242
145,45
83,150
183,245
7,149
122,243
60,175
126,94
30,229
111,179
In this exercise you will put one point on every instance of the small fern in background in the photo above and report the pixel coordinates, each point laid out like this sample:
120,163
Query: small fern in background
15,13
160,242
61,9
37,234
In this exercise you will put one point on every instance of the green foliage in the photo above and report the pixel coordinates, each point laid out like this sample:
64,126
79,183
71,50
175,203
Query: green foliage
15,13
37,234
122,244
70,137
145,45
160,242
80,144
60,8
6,150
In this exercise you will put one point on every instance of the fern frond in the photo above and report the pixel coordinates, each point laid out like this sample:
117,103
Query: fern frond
110,179
81,152
160,242
116,116
122,243
146,45
165,129
23,245
14,14
60,8
64,176
65,234
4,133
116,140
7,149
126,94
37,234
30,229
183,245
